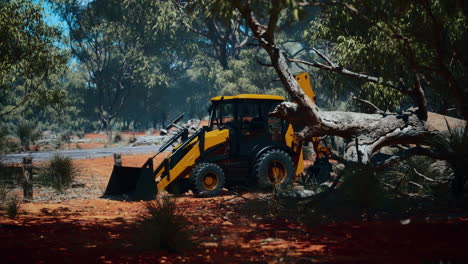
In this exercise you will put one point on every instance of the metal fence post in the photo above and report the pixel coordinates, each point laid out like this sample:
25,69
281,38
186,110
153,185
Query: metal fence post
118,159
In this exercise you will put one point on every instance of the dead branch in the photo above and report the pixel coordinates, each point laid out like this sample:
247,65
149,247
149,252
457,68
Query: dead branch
283,229
239,195
400,86
325,58
388,185
416,184
318,3
376,109
408,153
423,176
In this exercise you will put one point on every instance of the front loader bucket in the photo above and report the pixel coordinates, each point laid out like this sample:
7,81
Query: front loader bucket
132,182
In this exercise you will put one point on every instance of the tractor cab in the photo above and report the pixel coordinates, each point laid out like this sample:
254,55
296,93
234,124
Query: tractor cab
246,117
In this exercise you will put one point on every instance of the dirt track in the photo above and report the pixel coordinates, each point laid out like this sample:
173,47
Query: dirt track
86,229
82,153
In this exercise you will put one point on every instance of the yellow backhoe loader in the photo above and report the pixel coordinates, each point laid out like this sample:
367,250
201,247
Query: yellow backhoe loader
241,145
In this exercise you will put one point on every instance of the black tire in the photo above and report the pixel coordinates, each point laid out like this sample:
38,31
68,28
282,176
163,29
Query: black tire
274,167
178,187
207,179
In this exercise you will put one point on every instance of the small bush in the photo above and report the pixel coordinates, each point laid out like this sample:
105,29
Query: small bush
58,143
414,176
164,227
27,134
59,173
132,139
66,137
80,134
117,138
360,195
13,206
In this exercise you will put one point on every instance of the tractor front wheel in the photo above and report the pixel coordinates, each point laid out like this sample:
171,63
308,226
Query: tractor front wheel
274,168
207,179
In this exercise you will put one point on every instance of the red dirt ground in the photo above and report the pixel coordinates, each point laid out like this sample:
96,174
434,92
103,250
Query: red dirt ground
94,230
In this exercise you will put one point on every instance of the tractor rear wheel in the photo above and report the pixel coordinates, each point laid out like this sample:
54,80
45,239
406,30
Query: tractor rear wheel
207,179
274,167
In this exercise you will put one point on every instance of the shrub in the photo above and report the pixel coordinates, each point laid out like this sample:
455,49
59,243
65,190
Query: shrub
132,139
27,134
413,176
360,195
80,134
164,227
13,206
59,173
58,143
117,138
66,137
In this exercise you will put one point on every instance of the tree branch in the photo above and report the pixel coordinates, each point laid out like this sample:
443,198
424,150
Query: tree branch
318,3
408,153
420,98
423,176
376,109
277,7
325,58
339,69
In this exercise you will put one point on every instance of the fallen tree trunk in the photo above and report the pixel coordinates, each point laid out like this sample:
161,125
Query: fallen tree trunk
372,131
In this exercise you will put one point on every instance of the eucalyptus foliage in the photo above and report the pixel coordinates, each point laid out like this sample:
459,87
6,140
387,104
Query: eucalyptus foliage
397,41
29,56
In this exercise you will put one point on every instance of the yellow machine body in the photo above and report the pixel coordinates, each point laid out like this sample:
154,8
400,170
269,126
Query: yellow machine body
212,138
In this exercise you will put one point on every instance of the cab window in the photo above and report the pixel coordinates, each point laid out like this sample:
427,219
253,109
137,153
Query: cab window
223,115
251,119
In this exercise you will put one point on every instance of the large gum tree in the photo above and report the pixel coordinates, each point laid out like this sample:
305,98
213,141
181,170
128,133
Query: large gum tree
395,21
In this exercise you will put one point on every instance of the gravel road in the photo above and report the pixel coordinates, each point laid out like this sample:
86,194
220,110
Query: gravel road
82,153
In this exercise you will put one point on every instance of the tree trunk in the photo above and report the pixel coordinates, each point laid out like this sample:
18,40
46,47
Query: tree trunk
106,123
109,135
